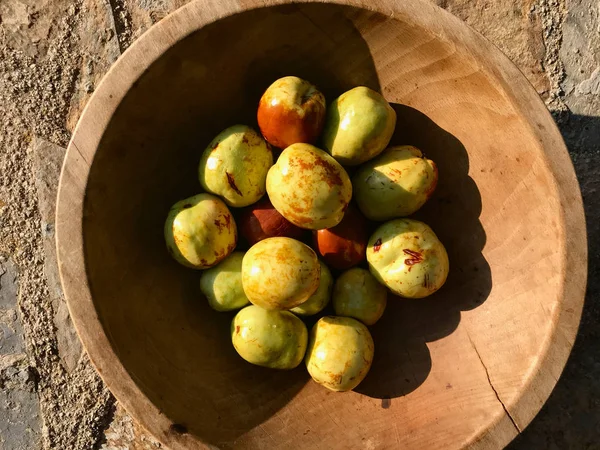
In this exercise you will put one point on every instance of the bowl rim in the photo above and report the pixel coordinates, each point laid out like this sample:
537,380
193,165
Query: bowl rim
195,15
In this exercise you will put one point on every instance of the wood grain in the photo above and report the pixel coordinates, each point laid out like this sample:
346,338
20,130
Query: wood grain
466,368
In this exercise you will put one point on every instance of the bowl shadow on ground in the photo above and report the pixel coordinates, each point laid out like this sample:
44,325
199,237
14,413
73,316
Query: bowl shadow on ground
402,360
176,349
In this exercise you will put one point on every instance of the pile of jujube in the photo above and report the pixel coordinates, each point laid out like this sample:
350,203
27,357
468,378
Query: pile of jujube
306,239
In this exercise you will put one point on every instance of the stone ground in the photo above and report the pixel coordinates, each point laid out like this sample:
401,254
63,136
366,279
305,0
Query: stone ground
52,55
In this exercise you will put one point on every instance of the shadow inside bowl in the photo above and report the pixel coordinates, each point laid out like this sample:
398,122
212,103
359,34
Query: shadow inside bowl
402,360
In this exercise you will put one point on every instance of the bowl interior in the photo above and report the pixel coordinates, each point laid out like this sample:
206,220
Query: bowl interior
495,209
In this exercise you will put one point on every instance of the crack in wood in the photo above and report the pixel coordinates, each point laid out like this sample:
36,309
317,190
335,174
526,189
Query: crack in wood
487,374
80,154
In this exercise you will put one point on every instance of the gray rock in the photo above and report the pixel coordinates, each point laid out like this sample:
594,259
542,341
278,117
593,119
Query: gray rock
47,163
580,56
11,331
8,284
20,421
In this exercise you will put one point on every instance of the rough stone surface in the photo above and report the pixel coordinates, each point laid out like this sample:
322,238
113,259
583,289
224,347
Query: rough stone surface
514,26
125,434
40,62
98,49
580,55
53,53
20,421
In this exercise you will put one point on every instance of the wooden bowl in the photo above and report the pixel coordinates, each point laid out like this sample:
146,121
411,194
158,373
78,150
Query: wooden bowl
467,367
